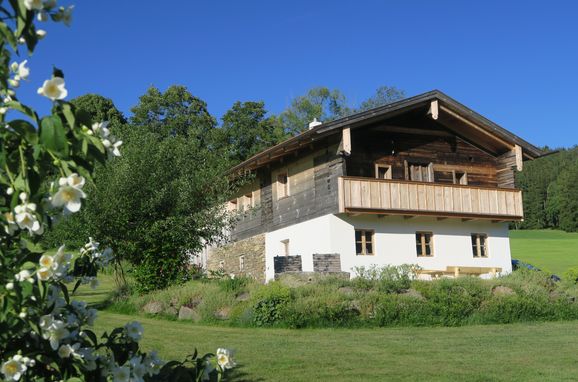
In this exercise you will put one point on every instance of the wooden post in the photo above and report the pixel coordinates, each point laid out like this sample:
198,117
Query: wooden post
346,137
519,158
433,111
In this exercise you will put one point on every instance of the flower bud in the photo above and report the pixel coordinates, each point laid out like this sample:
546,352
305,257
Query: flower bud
14,66
9,191
40,33
10,286
14,82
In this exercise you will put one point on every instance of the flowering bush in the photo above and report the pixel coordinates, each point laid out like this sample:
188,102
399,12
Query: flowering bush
44,164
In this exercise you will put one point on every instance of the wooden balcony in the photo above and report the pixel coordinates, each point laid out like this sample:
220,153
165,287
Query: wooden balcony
398,197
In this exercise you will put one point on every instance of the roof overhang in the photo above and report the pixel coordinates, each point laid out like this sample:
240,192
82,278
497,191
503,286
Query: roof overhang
436,105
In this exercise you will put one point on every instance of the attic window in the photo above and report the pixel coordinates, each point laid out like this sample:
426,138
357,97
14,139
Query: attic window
382,171
282,185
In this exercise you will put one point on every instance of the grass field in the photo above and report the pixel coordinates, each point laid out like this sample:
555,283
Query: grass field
552,251
520,352
516,352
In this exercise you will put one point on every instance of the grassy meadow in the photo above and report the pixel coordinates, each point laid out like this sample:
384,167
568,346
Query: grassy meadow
539,351
551,251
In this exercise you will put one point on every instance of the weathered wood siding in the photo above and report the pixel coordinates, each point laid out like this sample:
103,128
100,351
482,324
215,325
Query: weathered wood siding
447,153
313,192
506,170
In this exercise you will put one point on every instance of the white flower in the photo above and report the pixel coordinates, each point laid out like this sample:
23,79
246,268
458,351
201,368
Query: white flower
65,351
67,15
23,71
46,261
53,89
55,333
45,321
14,67
138,369
26,217
225,358
33,5
13,369
121,374
44,274
22,315
101,129
69,193
9,191
134,330
9,286
42,16
24,275
153,363
14,82
12,226
41,33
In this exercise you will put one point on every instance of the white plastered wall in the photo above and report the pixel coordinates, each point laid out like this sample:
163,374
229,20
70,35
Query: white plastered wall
394,242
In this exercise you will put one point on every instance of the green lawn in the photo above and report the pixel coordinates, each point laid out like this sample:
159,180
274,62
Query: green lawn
520,352
517,352
552,251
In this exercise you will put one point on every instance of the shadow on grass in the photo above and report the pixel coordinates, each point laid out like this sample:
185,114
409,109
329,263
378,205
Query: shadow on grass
238,375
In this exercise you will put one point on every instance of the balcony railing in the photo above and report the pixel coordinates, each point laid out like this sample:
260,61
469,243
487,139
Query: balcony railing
397,197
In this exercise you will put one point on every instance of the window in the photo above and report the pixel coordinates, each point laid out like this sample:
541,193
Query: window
285,247
424,244
480,245
419,172
282,185
382,171
241,263
460,177
363,242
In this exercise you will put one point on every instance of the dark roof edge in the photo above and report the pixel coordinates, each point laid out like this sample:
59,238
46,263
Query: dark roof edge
414,101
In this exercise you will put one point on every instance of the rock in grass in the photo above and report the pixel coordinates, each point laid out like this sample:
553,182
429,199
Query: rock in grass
186,313
223,313
502,291
153,307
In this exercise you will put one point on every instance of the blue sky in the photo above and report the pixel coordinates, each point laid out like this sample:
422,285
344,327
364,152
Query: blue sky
514,62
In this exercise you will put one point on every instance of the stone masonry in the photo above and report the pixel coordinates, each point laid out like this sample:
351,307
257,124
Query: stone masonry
287,264
242,258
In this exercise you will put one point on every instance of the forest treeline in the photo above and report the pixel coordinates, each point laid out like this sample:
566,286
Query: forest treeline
550,191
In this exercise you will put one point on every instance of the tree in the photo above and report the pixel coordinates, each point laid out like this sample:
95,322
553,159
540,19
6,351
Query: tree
383,95
327,105
246,130
174,112
163,198
568,195
320,102
100,109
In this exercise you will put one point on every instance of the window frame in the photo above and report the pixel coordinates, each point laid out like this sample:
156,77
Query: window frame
477,246
282,186
410,171
364,242
388,171
285,247
422,244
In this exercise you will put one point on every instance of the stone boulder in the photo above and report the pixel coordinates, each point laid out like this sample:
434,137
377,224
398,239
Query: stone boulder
153,307
223,313
501,290
186,313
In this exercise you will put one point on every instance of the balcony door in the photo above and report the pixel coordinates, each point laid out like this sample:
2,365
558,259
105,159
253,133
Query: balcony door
419,172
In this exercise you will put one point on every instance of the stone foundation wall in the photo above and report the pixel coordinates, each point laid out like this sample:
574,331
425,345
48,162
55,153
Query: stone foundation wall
228,257
330,262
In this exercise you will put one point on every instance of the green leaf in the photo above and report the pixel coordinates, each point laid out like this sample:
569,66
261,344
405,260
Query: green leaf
24,129
8,35
68,114
23,109
53,135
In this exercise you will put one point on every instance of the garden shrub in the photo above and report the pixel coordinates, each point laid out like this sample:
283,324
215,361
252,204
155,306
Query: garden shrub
235,284
389,278
270,304
157,272
393,309
571,275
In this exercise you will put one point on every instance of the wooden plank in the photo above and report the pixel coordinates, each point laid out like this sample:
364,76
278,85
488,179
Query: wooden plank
519,158
395,196
375,195
365,195
355,193
439,198
346,139
404,196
